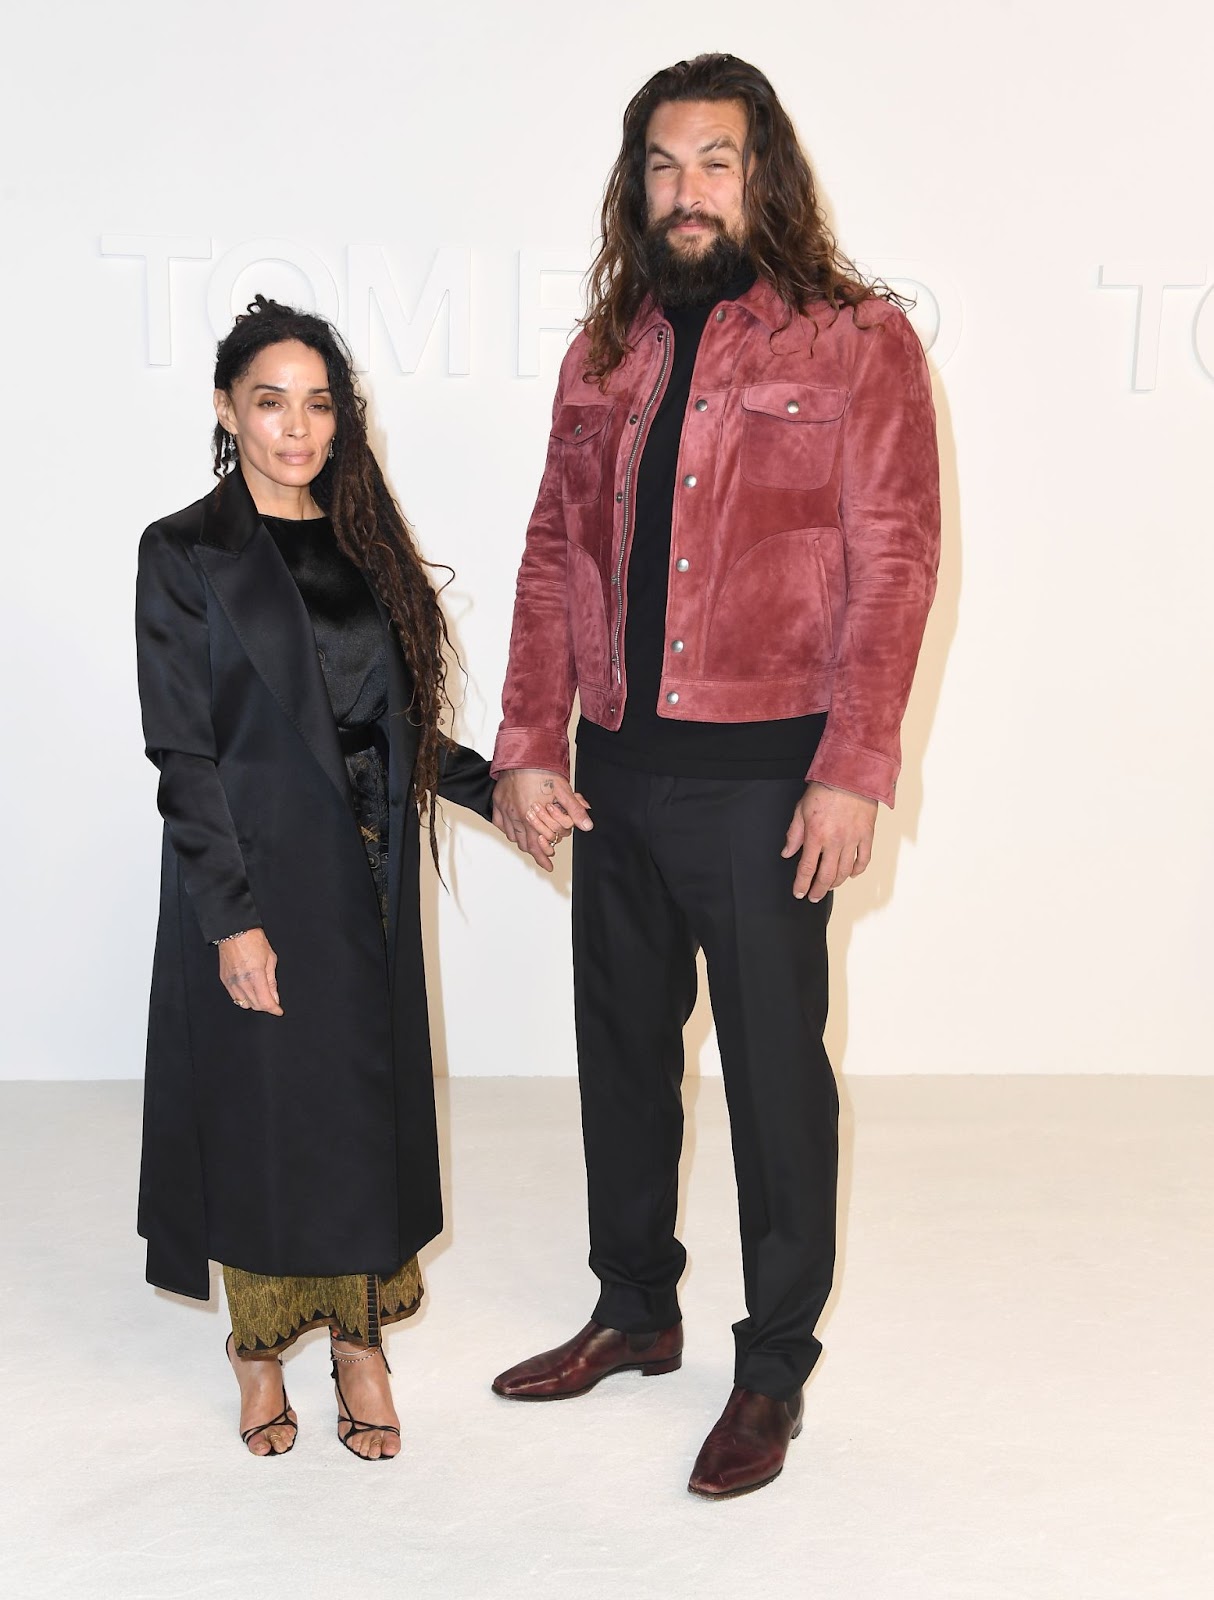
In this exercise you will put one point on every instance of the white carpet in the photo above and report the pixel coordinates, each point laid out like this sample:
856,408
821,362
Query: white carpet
1015,1400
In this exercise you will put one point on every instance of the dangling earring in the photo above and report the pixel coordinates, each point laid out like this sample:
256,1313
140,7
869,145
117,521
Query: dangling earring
331,451
232,454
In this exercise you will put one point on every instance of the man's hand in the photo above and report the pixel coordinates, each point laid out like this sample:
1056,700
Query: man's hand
246,970
833,830
535,809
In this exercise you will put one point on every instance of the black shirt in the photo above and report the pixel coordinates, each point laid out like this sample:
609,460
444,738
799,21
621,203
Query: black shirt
646,741
344,617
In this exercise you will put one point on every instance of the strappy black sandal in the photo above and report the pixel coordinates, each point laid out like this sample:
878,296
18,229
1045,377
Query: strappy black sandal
345,1415
282,1420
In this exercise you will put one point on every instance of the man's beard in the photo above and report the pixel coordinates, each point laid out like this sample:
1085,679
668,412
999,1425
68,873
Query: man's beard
695,278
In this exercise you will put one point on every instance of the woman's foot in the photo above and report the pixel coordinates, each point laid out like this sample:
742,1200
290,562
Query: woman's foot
267,1424
367,1422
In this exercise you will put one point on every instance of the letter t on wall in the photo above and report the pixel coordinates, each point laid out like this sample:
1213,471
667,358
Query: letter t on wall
156,251
1150,279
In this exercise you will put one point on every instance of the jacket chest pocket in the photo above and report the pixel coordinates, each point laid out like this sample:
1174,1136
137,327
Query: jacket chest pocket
790,434
582,433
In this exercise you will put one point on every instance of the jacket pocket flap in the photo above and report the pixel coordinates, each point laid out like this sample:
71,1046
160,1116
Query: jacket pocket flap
576,424
795,402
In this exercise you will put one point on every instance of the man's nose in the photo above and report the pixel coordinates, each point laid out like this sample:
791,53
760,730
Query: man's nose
689,195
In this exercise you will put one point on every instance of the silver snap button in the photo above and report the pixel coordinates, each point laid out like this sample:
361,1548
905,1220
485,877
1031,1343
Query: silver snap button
721,315
792,407
577,430
701,405
672,699
619,497
689,482
676,645
634,419
682,564
661,335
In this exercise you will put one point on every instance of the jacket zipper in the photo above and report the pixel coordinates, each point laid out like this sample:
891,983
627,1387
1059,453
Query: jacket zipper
632,455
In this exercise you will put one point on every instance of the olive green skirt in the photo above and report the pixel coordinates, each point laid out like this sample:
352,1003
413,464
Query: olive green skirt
268,1313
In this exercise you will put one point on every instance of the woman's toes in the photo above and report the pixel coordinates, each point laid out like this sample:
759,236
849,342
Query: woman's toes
259,1445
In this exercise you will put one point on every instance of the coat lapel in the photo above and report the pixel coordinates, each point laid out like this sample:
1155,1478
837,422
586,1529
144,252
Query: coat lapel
259,597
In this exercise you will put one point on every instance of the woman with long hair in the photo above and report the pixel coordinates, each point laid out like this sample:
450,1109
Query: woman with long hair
291,672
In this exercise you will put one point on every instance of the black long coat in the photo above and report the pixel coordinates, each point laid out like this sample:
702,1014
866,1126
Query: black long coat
302,1144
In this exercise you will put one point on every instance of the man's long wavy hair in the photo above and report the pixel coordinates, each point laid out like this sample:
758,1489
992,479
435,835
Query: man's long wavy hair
786,231
367,521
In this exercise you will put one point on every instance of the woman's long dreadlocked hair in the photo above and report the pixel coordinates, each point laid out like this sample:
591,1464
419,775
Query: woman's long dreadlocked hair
786,231
369,525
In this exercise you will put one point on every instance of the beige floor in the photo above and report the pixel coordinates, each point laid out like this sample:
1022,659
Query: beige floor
1015,1400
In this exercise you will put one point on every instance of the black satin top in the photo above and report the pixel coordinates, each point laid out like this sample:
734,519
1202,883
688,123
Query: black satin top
345,618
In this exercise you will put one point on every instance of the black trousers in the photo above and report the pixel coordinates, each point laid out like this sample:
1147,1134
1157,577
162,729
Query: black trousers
673,865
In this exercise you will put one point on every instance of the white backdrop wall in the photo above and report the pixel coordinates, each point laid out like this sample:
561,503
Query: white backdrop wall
431,176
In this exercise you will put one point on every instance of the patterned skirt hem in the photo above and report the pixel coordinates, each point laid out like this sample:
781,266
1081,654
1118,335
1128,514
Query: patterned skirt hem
269,1314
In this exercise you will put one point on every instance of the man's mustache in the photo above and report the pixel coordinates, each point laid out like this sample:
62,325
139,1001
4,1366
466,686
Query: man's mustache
665,225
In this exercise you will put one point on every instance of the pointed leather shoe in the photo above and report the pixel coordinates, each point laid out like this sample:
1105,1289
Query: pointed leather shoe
747,1446
589,1357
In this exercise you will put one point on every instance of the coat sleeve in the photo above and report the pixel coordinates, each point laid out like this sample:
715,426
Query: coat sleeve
540,676
463,776
891,540
172,647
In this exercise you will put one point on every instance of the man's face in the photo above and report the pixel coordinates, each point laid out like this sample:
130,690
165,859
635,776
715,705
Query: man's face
694,177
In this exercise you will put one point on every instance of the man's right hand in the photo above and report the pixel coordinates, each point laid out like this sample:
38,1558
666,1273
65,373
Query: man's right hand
535,808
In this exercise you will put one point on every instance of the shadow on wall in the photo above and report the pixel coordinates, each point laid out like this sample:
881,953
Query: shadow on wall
872,891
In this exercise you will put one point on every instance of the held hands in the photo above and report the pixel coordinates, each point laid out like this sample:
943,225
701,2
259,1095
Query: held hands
536,810
246,970
833,830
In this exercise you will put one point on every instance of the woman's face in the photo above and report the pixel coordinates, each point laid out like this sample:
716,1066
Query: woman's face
281,412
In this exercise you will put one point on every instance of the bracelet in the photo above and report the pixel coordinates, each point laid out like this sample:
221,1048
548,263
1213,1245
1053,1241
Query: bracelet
228,936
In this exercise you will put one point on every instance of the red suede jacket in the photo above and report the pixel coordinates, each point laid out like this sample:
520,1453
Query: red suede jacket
803,548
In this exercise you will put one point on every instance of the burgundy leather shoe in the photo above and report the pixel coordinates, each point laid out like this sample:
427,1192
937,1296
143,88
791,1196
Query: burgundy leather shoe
589,1357
747,1446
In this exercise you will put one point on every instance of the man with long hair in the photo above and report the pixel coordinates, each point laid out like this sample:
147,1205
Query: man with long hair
731,562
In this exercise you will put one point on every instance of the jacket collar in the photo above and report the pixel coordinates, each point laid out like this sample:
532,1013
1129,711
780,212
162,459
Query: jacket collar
259,597
229,517
760,300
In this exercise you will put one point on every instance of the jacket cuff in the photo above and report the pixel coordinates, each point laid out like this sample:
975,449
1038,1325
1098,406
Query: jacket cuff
220,915
531,747
859,771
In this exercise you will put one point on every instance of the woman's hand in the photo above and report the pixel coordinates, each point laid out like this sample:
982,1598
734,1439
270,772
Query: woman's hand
536,809
246,970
